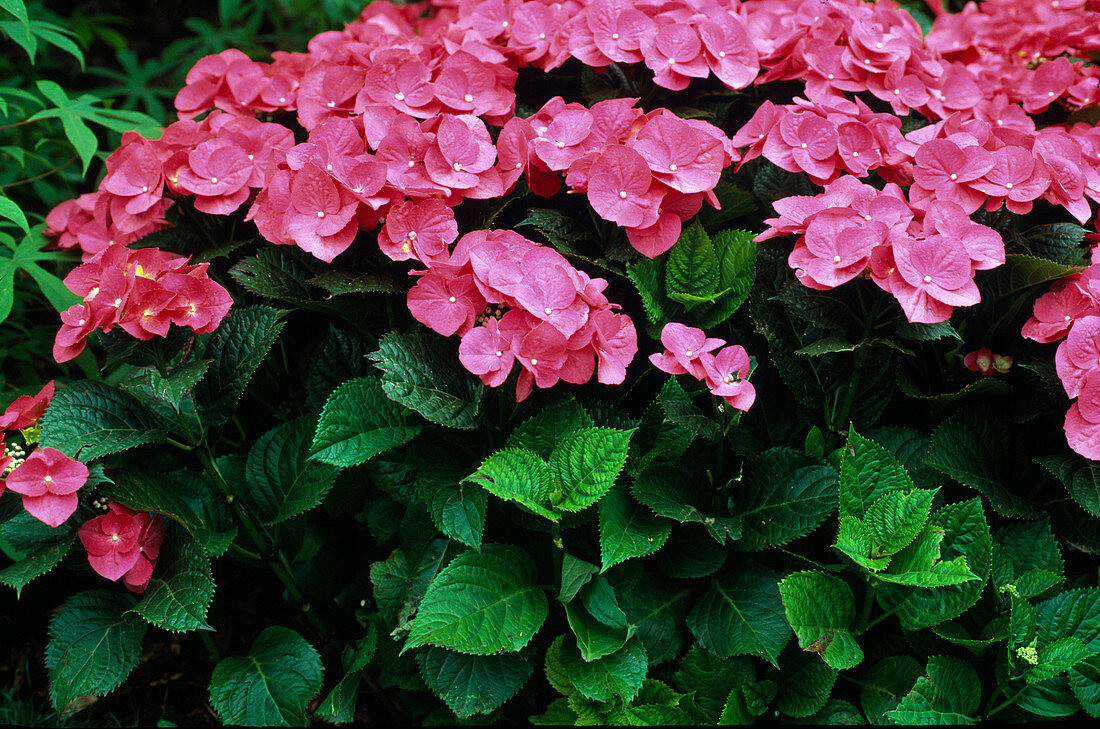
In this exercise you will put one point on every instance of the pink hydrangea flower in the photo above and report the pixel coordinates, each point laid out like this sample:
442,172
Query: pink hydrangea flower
48,481
26,410
123,543
688,350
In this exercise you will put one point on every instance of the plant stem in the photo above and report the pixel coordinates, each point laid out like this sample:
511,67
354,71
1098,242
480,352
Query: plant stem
215,654
47,173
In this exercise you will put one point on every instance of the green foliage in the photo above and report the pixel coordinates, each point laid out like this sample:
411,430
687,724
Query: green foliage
820,609
178,598
271,685
94,645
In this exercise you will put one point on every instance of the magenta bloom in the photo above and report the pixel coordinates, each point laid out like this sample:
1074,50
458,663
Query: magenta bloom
725,376
683,347
123,543
1079,355
48,481
26,410
620,188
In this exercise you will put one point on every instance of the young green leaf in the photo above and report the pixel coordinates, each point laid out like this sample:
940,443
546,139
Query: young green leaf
542,433
618,674
692,264
517,475
820,609
357,423
179,594
235,349
586,463
947,693
481,603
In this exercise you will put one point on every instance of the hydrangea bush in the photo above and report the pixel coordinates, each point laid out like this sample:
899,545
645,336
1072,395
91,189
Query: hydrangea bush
593,362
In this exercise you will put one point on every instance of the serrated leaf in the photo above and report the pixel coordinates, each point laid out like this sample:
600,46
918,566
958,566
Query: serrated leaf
282,481
947,693
855,539
1084,681
665,490
885,684
628,530
340,283
820,609
543,432
274,273
741,614
594,639
235,350
457,509
90,419
472,685
692,266
517,475
1021,272
710,680
401,580
645,274
619,674
867,472
783,499
1058,242
183,497
804,687
965,534
271,685
1057,657
1080,477
417,373
36,564
481,603
897,517
1072,614
339,706
12,212
656,609
357,423
560,230
917,332
1026,548
920,565
179,595
94,645
586,463
972,450
575,574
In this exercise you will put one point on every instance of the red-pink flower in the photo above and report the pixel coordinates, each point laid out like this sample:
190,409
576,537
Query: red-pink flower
48,481
123,543
26,410
621,189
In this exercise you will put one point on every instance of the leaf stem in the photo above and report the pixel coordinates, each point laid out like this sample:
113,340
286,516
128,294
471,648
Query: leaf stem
47,173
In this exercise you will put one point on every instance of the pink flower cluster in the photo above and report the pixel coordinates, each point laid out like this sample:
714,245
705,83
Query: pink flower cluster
124,543
47,479
1019,49
927,262
1000,160
689,351
144,291
1009,48
1071,311
648,173
512,300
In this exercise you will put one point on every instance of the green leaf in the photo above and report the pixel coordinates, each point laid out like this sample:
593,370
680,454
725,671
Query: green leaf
517,475
543,432
575,574
274,273
339,706
965,534
94,645
401,580
746,702
90,419
481,603
37,563
628,530
561,230
457,509
357,423
1058,242
741,614
855,539
586,463
711,680
656,609
182,496
472,685
1084,681
619,674
646,277
1072,614
885,684
867,471
1021,272
974,451
418,373
1080,477
920,565
272,685
12,212
235,349
341,283
783,500
179,596
7,287
1057,657
665,490
282,481
804,687
1022,549
820,609
947,693
896,518
692,266
594,639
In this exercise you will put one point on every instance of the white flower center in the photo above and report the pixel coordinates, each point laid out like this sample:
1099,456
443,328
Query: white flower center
928,279
614,36
114,537
468,98
48,478
214,180
399,96
836,259
804,145
855,154
534,362
499,353
954,176
332,104
672,168
1008,185
320,213
721,54
622,194
458,167
548,311
452,299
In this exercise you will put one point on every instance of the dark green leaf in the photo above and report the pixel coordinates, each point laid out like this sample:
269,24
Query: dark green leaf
418,373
